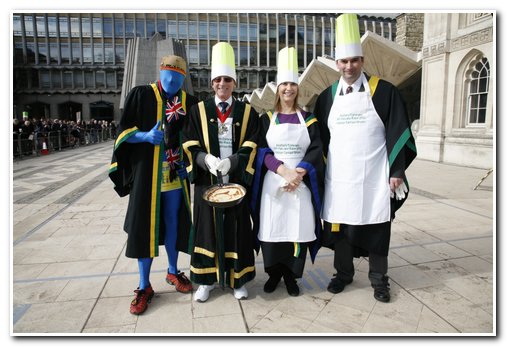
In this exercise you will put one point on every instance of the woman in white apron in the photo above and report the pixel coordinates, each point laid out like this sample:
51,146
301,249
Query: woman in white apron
286,194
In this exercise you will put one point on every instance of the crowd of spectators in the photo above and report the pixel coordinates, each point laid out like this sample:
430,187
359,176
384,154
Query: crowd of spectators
30,136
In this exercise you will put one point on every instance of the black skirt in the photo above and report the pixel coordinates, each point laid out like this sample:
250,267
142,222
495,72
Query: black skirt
290,254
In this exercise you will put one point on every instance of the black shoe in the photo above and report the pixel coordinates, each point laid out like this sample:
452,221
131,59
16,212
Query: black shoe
271,283
381,291
292,286
337,285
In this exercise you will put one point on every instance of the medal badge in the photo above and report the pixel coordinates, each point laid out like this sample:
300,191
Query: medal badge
222,128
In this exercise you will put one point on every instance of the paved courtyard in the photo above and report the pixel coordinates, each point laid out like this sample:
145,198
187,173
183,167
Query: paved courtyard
69,274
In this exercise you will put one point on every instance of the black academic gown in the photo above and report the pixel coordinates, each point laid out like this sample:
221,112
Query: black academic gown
313,162
136,170
401,152
223,243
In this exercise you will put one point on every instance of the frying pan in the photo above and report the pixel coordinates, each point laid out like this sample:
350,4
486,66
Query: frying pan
221,186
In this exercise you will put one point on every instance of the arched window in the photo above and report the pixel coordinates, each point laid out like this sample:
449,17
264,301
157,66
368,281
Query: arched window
478,77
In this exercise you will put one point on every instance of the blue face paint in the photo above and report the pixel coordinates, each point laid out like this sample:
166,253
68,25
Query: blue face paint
171,81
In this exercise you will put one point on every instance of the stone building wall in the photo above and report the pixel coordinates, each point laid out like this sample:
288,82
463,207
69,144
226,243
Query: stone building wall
409,30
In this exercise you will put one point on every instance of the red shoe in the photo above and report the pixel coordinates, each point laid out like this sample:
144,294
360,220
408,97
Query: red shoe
140,302
181,282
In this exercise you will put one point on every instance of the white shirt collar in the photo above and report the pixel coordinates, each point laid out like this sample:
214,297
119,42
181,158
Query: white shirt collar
355,86
218,101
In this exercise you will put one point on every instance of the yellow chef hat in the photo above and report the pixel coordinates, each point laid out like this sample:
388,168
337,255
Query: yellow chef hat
222,61
287,69
348,41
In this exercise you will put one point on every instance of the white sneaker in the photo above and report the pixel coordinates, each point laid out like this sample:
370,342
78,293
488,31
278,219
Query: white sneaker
241,293
202,293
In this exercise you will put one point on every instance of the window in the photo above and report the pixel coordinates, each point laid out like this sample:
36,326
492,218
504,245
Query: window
140,28
223,31
20,79
253,32
76,53
30,51
42,52
109,53
192,30
74,27
233,30
150,28
97,27
108,27
204,79
56,79
118,27
192,54
97,53
129,28
29,25
203,53
203,30
67,79
89,81
242,56
213,31
161,27
253,79
253,55
119,53
86,27
78,79
64,26
35,78
243,34
478,93
87,53
44,79
41,27
100,78
53,52
52,26
172,28
110,79
18,52
16,25
182,29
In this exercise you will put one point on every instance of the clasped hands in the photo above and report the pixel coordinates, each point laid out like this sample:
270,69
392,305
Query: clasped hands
293,177
215,164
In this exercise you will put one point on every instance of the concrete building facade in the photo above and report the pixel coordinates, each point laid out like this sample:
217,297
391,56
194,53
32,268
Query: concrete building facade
70,65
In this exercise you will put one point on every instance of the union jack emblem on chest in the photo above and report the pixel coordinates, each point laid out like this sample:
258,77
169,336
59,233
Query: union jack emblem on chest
173,157
174,109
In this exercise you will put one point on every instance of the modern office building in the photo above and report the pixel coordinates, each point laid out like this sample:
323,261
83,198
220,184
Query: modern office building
70,65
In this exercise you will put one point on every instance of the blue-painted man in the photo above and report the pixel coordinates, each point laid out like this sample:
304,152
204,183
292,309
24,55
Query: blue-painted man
147,165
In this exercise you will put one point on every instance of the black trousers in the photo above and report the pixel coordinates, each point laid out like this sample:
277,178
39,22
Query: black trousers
344,265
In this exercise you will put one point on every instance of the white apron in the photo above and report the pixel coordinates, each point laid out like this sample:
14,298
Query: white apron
225,140
286,216
357,176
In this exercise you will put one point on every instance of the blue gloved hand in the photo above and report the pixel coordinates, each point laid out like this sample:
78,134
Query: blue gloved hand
154,136
182,170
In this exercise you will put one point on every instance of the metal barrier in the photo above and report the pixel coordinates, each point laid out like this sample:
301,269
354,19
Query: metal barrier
41,143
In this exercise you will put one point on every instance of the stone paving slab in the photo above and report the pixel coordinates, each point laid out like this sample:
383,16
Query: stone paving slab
70,275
